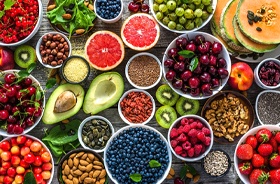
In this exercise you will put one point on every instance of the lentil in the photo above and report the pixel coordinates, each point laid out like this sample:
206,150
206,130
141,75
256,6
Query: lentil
216,163
75,70
269,108
144,71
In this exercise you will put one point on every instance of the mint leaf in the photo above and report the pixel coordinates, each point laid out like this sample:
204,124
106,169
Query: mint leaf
31,67
7,6
183,172
136,177
186,53
50,83
23,73
154,163
194,63
29,178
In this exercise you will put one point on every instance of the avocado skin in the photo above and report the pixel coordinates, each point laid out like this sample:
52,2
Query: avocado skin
104,91
49,117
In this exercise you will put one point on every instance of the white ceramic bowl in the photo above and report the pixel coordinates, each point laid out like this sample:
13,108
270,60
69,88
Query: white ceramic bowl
268,107
205,22
208,148
253,131
80,130
37,120
109,21
224,54
49,181
127,73
122,130
256,74
38,54
136,90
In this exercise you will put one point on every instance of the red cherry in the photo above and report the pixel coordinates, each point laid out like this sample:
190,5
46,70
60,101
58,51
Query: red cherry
133,7
4,114
9,78
31,90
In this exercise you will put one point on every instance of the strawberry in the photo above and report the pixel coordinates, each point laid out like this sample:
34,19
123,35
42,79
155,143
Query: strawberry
274,176
244,152
273,143
274,160
265,149
257,160
252,140
258,176
277,137
245,167
263,135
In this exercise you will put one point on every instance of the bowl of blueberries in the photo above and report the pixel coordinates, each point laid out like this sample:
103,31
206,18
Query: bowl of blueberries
137,153
108,11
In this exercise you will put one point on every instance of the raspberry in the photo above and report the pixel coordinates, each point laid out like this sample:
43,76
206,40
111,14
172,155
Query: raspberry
186,145
184,154
178,150
182,138
187,128
173,133
190,152
205,130
184,121
199,125
193,140
173,143
203,148
180,129
197,149
207,141
201,136
192,133
193,125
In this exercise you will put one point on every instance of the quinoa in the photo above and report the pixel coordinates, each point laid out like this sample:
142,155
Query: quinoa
75,70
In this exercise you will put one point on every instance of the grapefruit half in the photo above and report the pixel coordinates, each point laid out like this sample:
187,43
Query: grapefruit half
140,31
104,50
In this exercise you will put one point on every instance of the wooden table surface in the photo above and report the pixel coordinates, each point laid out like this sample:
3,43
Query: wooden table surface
166,37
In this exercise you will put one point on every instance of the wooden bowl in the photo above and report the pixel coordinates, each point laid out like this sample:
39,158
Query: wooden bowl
243,100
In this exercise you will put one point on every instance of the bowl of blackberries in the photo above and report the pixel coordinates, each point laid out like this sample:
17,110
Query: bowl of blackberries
137,153
108,11
196,65
267,74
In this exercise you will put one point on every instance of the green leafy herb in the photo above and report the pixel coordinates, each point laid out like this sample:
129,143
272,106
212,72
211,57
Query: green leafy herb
136,177
191,169
31,67
183,172
194,63
186,53
29,178
7,6
50,83
154,163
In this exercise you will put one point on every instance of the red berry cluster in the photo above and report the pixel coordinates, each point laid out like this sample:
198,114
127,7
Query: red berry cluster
269,73
19,21
21,154
21,103
190,137
259,156
138,5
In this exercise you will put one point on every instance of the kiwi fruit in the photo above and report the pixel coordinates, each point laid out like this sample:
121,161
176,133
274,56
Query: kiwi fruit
166,95
25,55
185,106
165,116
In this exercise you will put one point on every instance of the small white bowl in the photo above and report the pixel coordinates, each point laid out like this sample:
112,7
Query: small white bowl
136,90
268,106
80,131
256,74
109,21
127,73
32,34
244,178
38,54
191,159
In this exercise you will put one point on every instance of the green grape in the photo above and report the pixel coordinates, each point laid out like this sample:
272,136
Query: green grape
196,2
189,25
204,15
172,16
188,14
179,11
179,27
198,21
159,1
198,13
165,20
209,9
155,7
179,2
171,5
200,6
162,8
167,12
192,6
159,15
184,6
182,20
206,2
171,24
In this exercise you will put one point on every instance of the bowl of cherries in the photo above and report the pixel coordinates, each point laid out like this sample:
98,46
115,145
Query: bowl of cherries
22,102
196,65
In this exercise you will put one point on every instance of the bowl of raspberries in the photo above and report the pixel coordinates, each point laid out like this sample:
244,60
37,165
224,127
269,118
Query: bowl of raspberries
257,155
190,138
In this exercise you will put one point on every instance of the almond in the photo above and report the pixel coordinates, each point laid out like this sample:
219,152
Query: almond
51,7
80,31
67,16
90,6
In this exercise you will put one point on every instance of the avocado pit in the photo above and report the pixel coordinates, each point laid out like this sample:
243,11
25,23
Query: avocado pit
65,101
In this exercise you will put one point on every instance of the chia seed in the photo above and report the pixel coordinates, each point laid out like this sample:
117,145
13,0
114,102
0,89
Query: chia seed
269,108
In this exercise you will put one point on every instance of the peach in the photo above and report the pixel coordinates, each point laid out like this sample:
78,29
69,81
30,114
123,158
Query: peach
7,61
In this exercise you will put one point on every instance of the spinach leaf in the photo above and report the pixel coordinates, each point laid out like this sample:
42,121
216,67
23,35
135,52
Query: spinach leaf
29,178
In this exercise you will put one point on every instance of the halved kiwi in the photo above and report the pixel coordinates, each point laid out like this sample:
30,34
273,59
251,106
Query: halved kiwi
25,55
165,116
166,95
185,106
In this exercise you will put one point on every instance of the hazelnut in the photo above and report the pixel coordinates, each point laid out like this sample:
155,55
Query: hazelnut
53,63
60,46
60,61
52,45
48,51
49,36
45,38
58,37
45,60
64,57
62,40
59,55
51,57
54,52
48,43
43,52
66,47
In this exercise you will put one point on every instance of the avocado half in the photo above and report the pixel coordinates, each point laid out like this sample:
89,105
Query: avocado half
104,91
50,115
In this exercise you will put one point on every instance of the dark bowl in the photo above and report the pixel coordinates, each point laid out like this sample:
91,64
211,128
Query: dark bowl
243,100
228,161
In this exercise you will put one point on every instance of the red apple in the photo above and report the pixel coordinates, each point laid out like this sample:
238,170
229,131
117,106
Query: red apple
241,76
7,61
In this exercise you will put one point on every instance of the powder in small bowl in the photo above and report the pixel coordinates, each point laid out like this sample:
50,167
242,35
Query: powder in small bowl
143,71
75,69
